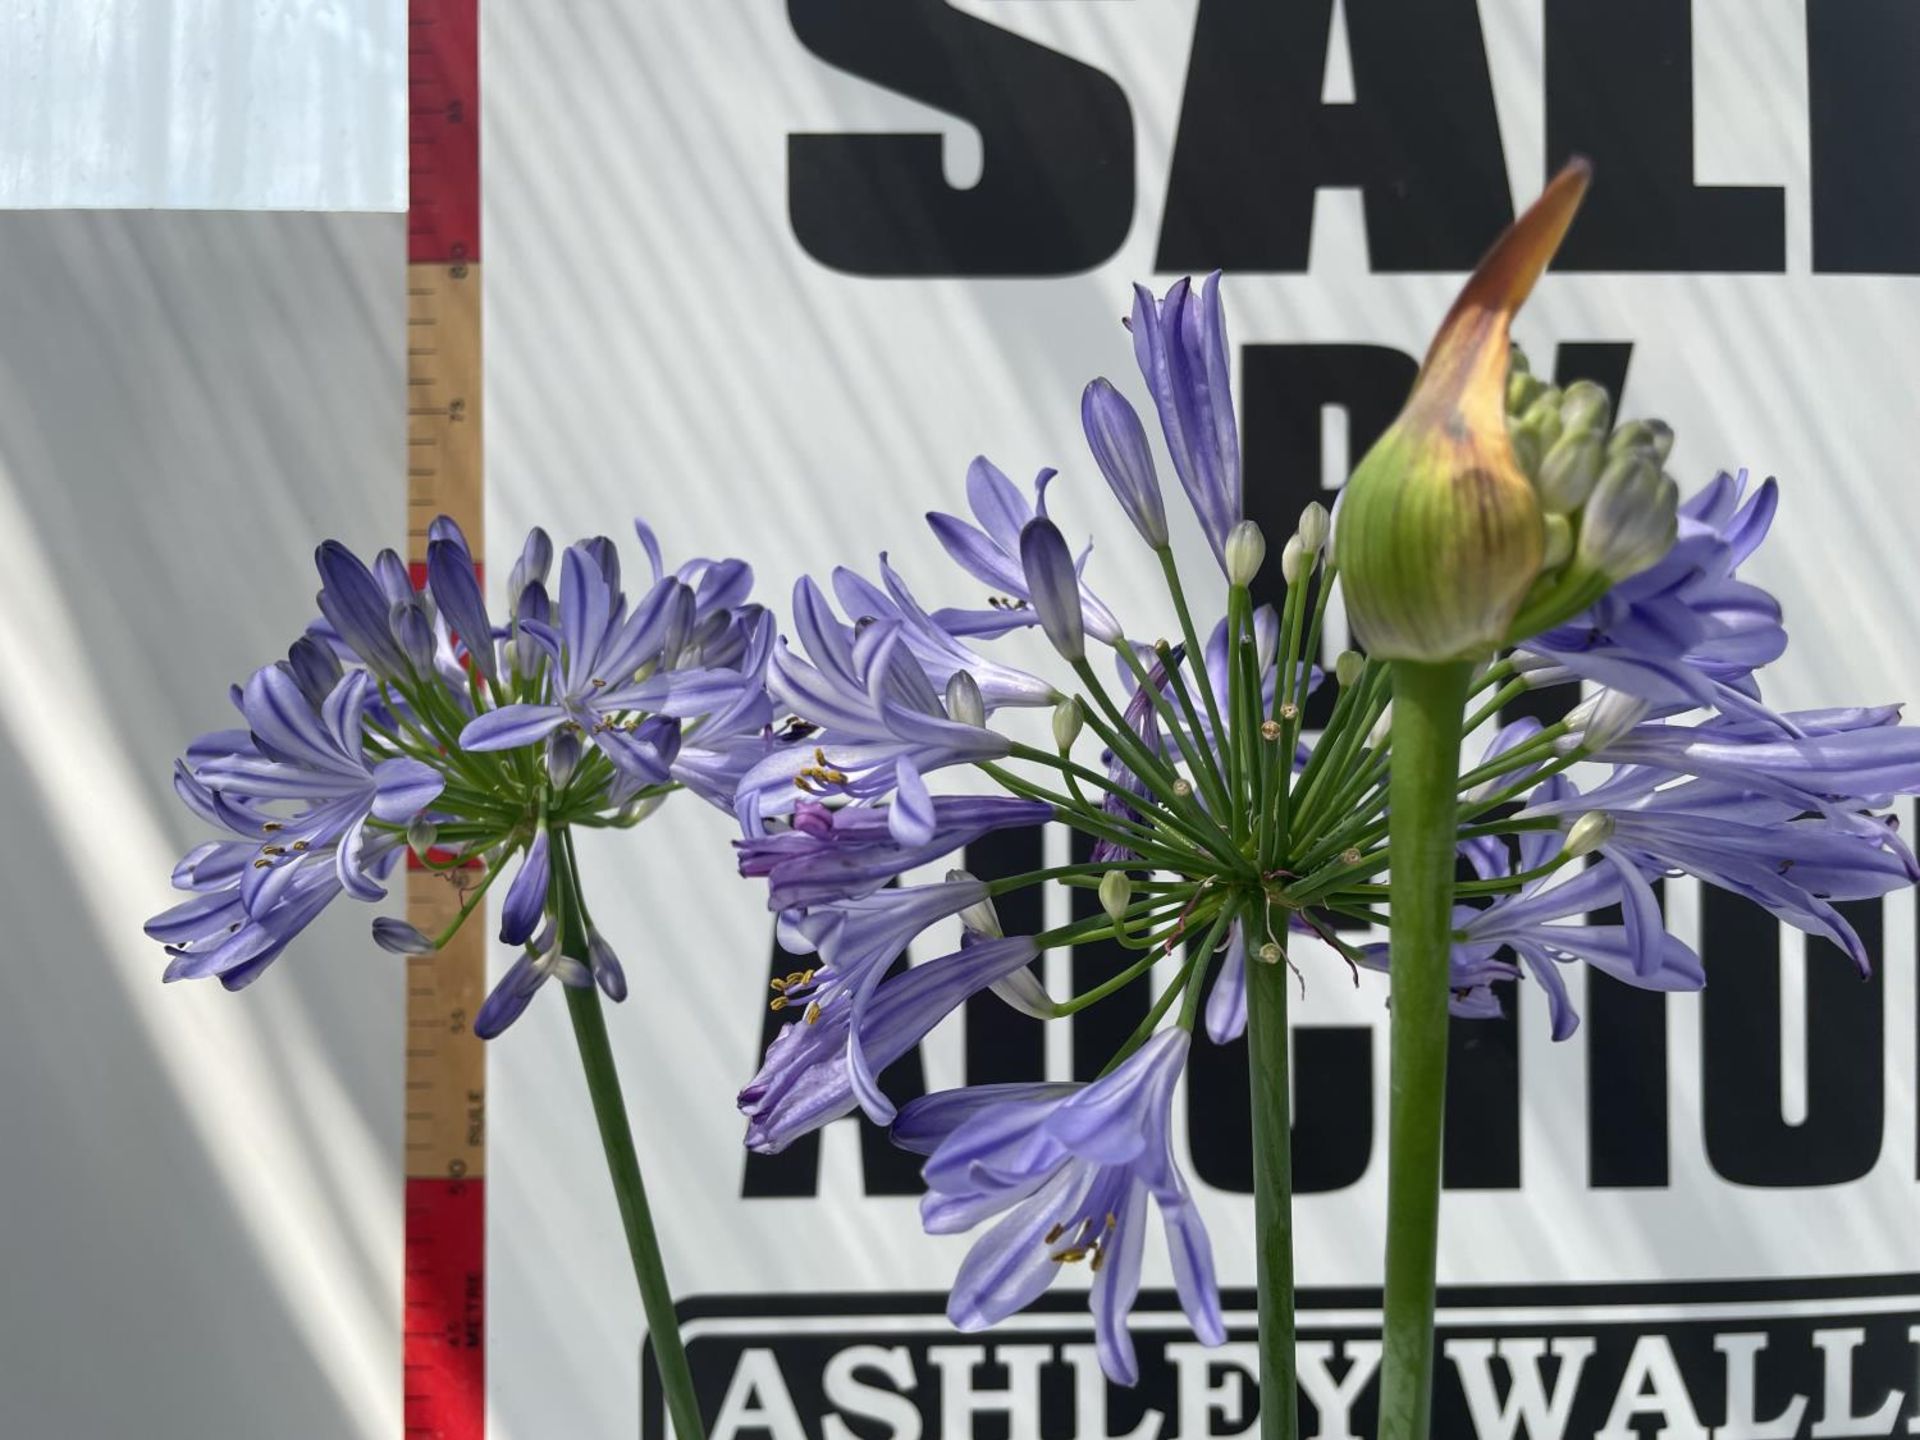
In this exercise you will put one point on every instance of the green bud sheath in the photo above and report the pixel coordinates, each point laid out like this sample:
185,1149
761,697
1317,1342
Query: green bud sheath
1441,532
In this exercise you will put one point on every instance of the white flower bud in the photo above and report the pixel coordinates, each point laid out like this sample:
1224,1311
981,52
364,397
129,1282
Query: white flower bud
979,919
965,704
1067,720
1652,436
1588,833
1382,728
1293,559
1314,526
1246,551
1559,547
1569,471
1631,520
1349,667
1116,893
1604,717
420,835
1585,407
563,756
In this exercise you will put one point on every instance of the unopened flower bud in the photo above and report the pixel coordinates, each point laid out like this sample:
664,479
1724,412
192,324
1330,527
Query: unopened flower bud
1585,408
420,835
605,966
563,756
399,938
965,704
1652,436
1604,717
1569,471
1315,524
1054,586
980,920
1542,418
1440,536
1067,720
1116,894
1523,386
1559,542
1348,667
1632,519
1293,559
1382,728
1588,833
410,626
1246,552
1119,444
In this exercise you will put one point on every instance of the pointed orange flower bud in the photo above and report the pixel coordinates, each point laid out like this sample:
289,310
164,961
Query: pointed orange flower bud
1440,532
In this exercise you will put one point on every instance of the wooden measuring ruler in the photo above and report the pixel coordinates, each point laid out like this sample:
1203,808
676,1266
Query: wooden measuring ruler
444,1330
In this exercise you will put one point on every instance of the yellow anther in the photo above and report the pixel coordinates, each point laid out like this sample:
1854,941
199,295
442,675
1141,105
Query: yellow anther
813,1013
272,825
1099,1259
263,864
298,846
273,849
598,684
779,1002
1053,1235
777,984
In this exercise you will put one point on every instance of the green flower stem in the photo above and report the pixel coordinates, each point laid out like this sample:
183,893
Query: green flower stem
1205,768
1504,697
1187,632
623,1165
1272,1189
1429,703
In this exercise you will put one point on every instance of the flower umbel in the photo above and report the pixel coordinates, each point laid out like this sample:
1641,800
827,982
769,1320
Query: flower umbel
1231,850
407,720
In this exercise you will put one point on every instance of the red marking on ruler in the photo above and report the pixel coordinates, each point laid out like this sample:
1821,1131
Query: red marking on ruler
443,131
444,1334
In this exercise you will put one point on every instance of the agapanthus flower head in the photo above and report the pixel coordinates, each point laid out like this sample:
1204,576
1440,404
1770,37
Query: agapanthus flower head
1222,835
390,729
1067,1172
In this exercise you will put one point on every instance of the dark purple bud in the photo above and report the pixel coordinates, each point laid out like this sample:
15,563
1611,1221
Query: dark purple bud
401,938
527,896
450,579
391,573
1119,444
315,669
606,966
1053,585
414,631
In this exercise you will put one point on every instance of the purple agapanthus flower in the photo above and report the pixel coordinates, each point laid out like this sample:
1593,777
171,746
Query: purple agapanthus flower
876,722
1794,864
990,552
378,735
1069,1169
1687,632
612,671
1543,924
852,851
856,940
1180,341
300,787
810,1074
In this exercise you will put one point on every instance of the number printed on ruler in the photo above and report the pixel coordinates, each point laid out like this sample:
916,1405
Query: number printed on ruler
443,402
